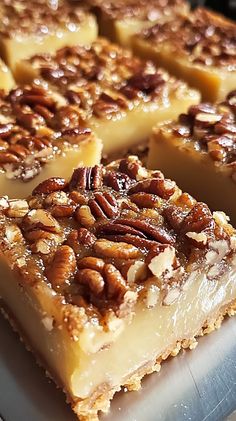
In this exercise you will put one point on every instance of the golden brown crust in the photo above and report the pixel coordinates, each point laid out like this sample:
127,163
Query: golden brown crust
203,37
88,409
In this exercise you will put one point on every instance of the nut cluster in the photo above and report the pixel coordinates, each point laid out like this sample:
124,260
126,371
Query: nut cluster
212,129
38,17
102,79
32,124
109,232
141,9
202,36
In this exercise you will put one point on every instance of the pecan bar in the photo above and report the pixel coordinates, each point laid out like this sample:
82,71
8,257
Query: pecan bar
121,97
6,78
88,265
199,152
41,136
199,48
31,27
120,20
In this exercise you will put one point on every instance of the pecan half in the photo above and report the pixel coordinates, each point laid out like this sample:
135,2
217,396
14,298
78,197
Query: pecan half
90,262
105,248
103,205
62,268
145,200
91,278
118,181
199,219
143,229
116,285
84,216
50,185
86,178
130,167
159,186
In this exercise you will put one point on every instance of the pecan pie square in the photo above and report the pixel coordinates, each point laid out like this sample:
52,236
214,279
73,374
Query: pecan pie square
199,152
120,96
31,27
120,20
41,136
199,48
88,265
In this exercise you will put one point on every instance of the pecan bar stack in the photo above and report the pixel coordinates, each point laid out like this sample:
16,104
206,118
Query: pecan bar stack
30,27
40,136
199,152
88,265
199,48
121,96
120,20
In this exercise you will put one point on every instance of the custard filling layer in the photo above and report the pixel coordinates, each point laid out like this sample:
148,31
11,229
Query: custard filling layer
81,367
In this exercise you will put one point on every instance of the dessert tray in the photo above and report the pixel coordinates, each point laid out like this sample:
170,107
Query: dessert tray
117,211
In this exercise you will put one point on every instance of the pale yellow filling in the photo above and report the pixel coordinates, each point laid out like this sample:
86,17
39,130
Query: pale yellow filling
20,47
121,31
214,83
80,366
6,79
194,172
87,153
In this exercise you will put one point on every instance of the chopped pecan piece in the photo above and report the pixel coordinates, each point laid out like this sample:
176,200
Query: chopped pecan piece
161,259
147,83
85,237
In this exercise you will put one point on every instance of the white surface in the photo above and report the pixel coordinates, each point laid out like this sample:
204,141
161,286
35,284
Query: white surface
195,386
